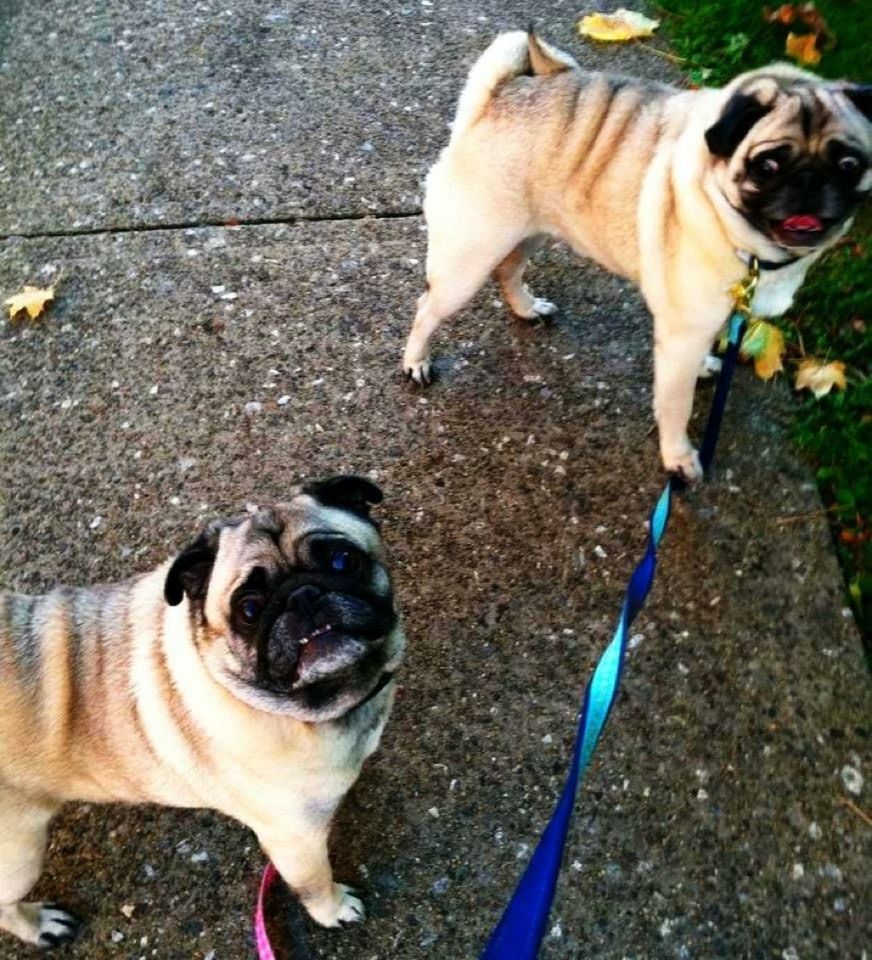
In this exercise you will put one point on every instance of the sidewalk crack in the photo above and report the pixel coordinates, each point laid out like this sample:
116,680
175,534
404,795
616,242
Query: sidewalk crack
97,231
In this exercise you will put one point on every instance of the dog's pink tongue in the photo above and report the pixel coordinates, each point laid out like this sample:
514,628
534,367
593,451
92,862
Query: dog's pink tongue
804,222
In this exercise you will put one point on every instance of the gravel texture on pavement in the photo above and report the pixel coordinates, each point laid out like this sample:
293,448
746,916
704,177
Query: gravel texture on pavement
187,371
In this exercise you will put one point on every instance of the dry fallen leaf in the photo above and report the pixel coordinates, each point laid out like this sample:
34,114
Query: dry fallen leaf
31,299
803,49
785,14
806,13
617,26
820,377
764,343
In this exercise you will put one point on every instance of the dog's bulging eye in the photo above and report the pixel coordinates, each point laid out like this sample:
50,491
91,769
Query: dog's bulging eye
250,608
344,561
765,167
849,165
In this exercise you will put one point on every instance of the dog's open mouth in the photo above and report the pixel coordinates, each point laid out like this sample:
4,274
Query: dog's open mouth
324,652
800,230
324,638
320,632
322,644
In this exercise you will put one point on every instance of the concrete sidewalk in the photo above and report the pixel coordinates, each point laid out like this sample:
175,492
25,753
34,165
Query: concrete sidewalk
187,370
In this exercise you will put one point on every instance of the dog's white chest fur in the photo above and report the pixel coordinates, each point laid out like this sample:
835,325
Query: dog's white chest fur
777,288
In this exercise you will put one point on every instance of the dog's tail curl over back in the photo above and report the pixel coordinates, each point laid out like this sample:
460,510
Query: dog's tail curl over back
512,54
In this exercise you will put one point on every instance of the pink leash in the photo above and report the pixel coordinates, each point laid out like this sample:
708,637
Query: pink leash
261,937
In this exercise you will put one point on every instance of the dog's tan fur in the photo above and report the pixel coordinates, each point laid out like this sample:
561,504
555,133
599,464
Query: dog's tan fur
619,169
109,694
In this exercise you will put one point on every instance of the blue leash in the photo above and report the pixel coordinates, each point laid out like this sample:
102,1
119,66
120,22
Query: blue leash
521,928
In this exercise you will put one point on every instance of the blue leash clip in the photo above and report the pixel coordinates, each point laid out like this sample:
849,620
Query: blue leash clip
519,933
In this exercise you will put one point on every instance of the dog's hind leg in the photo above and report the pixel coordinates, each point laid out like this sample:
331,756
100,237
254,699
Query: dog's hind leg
518,296
468,237
454,275
23,837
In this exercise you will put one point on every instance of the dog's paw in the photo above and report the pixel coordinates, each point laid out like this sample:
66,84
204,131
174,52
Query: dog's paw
685,465
345,907
418,371
711,366
352,909
56,927
539,309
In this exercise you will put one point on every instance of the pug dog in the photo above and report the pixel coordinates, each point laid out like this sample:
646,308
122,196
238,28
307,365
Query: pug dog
674,189
252,674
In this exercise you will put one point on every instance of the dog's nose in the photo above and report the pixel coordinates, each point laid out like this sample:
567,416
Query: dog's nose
304,600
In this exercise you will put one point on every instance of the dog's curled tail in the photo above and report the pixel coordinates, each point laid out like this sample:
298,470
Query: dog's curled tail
512,54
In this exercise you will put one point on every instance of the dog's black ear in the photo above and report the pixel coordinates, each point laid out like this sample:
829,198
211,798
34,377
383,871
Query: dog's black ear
740,114
861,97
348,492
192,568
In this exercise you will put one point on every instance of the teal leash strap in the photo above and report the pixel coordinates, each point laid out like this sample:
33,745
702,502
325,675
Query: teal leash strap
519,933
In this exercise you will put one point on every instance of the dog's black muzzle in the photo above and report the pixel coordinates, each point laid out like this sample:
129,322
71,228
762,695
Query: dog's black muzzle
322,610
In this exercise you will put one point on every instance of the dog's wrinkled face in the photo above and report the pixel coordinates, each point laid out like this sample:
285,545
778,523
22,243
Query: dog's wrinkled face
795,154
293,603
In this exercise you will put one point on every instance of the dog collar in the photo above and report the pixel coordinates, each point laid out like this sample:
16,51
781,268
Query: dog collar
745,257
383,681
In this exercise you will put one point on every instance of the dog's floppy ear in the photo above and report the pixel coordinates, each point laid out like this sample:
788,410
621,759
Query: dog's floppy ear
543,62
739,115
347,492
861,97
192,568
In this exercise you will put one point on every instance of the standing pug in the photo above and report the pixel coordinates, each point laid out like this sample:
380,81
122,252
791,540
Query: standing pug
251,675
674,189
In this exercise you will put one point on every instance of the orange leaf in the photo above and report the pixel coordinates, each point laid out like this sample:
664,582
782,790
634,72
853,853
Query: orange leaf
785,14
806,13
803,48
764,342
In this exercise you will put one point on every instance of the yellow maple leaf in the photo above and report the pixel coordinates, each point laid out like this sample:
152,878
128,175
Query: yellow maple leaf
618,26
764,343
31,299
820,377
803,48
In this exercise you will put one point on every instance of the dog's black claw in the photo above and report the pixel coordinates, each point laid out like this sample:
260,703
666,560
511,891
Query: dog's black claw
51,941
677,480
424,380
65,927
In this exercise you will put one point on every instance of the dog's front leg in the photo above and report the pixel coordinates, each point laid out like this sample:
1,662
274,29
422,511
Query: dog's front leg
304,864
23,837
679,356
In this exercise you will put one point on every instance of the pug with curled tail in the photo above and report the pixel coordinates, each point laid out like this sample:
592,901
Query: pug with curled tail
673,189
251,675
